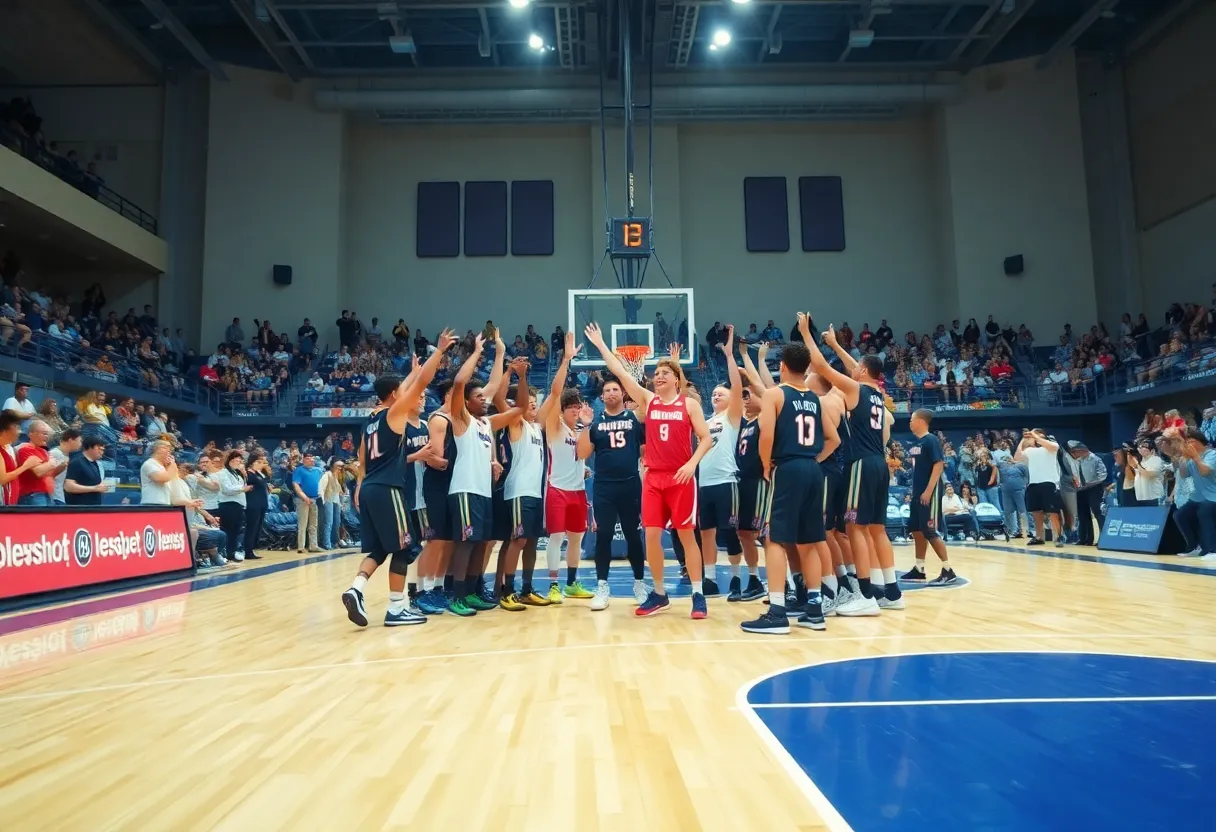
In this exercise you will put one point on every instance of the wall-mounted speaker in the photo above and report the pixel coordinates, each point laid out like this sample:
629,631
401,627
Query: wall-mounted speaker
1014,265
282,275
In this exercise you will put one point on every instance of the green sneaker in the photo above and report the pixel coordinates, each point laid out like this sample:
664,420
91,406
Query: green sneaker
577,590
457,606
475,602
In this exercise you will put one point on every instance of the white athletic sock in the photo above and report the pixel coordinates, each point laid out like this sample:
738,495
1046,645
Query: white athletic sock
888,575
553,554
396,601
831,583
920,564
710,572
359,583
877,579
602,584
852,568
697,587
734,570
753,571
842,570
946,565
776,599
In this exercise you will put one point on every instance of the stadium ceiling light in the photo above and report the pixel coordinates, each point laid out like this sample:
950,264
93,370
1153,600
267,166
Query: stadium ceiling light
536,42
721,38
740,2
519,4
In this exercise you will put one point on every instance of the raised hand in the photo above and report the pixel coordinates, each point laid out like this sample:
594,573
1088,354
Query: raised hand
519,366
446,339
728,346
585,414
761,351
479,344
594,335
804,326
569,345
497,336
830,336
674,350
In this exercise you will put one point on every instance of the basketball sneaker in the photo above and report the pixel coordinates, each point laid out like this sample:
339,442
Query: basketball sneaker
773,622
886,603
533,599
352,599
640,592
403,617
577,590
486,594
709,588
736,590
945,579
457,606
755,589
684,579
511,603
654,603
555,593
432,602
699,608
478,604
913,574
812,619
859,605
600,601
829,604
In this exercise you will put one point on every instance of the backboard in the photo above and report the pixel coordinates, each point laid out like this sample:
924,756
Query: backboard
651,317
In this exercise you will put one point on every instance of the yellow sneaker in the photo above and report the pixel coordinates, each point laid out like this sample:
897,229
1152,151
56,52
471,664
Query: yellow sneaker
555,593
511,602
533,599
577,590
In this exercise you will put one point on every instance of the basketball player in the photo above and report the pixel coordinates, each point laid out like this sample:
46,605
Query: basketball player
753,488
615,438
794,439
566,491
718,474
869,479
474,470
435,525
668,489
430,600
523,489
380,495
924,520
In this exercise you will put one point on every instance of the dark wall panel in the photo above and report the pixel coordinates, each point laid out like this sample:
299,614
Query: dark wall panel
485,219
821,199
766,213
438,219
532,218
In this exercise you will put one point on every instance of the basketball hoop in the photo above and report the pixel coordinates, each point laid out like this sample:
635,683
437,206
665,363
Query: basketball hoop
634,356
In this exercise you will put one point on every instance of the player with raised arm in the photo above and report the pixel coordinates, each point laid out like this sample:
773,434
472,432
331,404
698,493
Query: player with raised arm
386,530
523,489
794,440
718,474
668,490
615,439
433,510
753,488
868,481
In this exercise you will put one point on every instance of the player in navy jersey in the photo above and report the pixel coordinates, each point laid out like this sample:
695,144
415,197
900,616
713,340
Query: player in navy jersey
834,497
753,488
380,496
614,442
794,439
925,518
433,513
868,479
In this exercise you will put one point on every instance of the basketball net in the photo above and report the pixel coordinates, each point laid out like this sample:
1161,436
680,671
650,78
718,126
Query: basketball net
634,356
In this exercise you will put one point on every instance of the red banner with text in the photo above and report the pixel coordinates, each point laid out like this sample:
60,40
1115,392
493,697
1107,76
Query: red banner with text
56,549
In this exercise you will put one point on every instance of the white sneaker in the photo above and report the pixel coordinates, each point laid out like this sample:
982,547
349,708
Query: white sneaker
1209,557
1194,553
640,592
859,605
885,603
828,605
600,601
238,556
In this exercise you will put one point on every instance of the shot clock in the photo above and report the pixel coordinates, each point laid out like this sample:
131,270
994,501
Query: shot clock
630,237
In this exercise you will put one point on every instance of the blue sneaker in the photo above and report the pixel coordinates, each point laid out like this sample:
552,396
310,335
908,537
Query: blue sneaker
432,603
699,609
654,603
404,617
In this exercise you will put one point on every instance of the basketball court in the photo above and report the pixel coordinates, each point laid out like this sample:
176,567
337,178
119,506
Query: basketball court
1050,692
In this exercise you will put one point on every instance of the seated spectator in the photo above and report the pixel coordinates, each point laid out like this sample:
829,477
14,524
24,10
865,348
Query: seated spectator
958,515
773,334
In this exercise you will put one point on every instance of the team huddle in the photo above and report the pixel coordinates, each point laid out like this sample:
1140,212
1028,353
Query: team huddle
798,465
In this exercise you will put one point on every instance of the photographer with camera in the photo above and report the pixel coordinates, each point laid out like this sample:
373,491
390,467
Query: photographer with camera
1038,451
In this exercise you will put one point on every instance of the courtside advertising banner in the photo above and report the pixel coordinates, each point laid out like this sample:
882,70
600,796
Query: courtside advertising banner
46,550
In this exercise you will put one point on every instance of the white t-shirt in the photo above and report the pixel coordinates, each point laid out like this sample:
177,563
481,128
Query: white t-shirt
1042,466
58,457
152,493
1150,487
25,408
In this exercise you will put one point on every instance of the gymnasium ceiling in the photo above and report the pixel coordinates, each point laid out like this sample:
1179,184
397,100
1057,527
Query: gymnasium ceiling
341,38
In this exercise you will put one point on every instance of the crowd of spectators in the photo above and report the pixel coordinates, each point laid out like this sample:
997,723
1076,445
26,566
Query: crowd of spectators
21,132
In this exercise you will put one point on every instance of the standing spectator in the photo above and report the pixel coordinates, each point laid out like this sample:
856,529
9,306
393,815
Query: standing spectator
1069,482
306,481
330,505
884,335
234,334
83,483
36,485
987,479
10,471
1197,518
375,335
1038,451
1150,474
1014,478
1091,478
154,475
257,500
69,443
401,334
421,345
20,403
232,501
348,330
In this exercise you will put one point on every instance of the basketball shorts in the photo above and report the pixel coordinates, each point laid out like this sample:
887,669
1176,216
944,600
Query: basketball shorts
664,501
796,513
753,505
926,519
835,500
471,516
527,518
437,524
500,508
1043,496
866,500
383,521
718,506
565,511
419,523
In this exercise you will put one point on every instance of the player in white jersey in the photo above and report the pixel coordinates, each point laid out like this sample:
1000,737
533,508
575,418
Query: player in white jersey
566,493
718,473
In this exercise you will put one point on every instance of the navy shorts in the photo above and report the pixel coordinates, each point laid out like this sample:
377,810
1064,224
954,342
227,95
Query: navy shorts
384,525
866,498
500,509
835,500
718,506
472,518
926,519
796,516
753,505
527,516
435,523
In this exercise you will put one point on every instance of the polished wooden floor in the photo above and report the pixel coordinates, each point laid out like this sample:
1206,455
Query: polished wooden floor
257,706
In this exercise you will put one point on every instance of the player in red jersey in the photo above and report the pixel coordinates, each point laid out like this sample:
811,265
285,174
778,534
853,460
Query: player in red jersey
669,490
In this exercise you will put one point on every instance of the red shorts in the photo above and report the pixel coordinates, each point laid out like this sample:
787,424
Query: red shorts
666,501
565,511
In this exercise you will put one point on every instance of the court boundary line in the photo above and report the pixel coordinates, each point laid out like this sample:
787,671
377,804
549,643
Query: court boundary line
1048,700
819,801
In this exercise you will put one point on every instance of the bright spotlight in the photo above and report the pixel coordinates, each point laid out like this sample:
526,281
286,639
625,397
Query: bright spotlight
721,38
536,42
740,2
713,47
519,4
